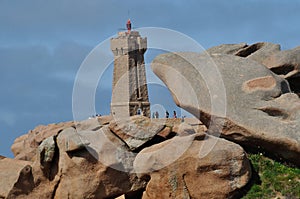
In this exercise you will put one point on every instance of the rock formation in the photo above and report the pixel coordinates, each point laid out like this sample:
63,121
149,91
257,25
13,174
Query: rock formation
94,158
239,92
218,174
284,63
260,110
135,132
16,178
24,147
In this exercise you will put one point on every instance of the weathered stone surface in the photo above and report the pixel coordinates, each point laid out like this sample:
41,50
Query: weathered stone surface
109,149
166,132
253,95
284,63
67,167
259,51
180,127
208,168
230,49
183,129
15,177
137,131
24,147
89,124
87,162
47,149
287,64
105,119
198,126
101,170
70,140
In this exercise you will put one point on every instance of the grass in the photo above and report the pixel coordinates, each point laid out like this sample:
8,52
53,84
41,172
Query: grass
276,180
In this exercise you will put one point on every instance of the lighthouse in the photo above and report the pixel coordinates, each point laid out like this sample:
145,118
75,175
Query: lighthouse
129,87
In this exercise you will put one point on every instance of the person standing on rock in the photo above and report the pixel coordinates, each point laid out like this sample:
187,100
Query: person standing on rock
167,114
156,114
182,118
174,114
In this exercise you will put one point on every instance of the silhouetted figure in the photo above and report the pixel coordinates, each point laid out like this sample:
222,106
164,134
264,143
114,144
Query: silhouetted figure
182,118
139,111
156,114
174,114
167,114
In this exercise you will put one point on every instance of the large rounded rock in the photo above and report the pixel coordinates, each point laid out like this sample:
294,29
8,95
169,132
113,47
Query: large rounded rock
89,164
100,170
284,63
237,97
86,160
70,140
287,64
25,146
16,178
207,168
136,131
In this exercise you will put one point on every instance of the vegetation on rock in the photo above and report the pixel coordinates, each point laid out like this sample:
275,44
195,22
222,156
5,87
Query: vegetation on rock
276,180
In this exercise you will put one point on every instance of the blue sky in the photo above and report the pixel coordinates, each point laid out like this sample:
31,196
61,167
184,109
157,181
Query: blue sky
43,43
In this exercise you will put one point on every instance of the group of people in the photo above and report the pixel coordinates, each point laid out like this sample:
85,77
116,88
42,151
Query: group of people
154,115
94,116
167,114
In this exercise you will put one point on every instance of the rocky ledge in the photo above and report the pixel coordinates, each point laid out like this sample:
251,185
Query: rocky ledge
245,98
235,93
106,158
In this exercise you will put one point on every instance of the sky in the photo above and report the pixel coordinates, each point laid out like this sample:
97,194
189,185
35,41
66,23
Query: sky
43,43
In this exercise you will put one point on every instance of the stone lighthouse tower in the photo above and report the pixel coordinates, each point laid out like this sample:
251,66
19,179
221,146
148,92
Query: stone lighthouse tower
129,89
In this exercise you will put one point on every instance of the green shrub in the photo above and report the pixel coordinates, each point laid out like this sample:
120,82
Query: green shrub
277,179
